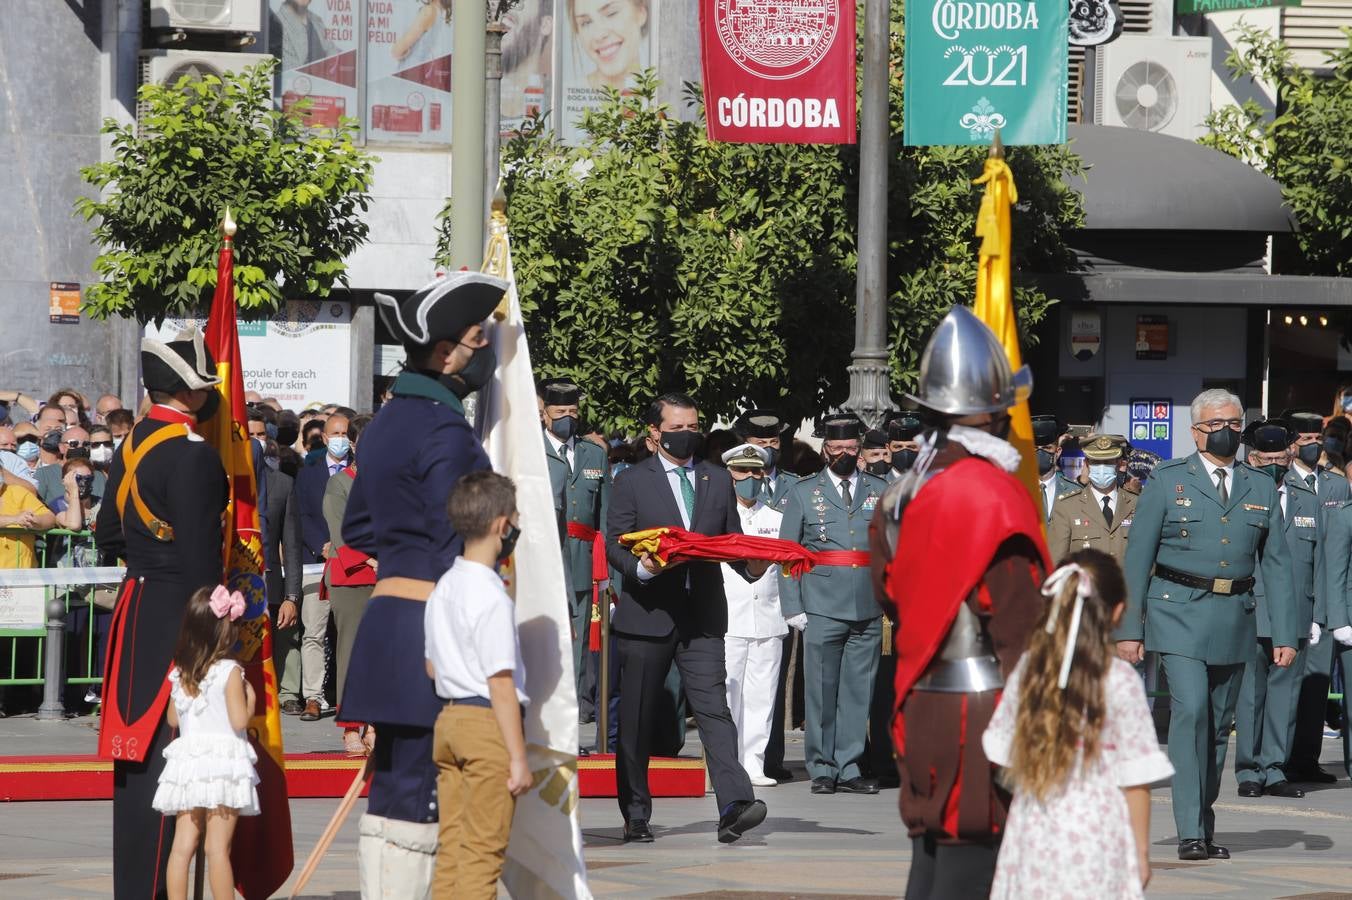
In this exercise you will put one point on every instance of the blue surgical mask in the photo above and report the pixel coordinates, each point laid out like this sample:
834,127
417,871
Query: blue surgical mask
338,446
748,488
1103,475
28,452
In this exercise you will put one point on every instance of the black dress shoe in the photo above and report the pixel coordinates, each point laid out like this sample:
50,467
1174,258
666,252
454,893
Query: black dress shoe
293,707
859,785
823,785
741,817
1284,789
1251,789
778,773
1215,852
1192,850
1313,775
637,831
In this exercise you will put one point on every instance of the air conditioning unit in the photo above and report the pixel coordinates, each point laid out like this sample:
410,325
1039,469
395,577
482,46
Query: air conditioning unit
1153,83
168,66
207,15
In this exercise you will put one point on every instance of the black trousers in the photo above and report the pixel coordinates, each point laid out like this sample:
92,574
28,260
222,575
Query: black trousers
141,836
879,760
950,871
644,663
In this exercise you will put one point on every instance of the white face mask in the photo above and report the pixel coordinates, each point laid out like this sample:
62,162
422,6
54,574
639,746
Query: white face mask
101,455
1103,476
117,442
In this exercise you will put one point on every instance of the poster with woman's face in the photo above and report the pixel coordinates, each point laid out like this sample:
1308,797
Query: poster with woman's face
316,40
408,71
527,62
603,44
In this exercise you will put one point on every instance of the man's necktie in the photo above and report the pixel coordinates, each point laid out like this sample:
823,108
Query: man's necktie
687,494
845,493
567,457
1220,487
1107,512
1309,479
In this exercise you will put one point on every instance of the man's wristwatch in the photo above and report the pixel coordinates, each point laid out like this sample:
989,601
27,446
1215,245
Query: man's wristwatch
290,598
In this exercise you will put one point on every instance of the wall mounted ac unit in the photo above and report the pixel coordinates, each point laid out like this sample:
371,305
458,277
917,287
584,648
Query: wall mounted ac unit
168,66
207,15
1153,83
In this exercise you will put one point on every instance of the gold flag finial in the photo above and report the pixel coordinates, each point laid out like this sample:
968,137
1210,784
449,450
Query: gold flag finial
228,226
997,150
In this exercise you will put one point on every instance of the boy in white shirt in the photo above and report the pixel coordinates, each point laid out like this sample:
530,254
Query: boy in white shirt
474,657
754,642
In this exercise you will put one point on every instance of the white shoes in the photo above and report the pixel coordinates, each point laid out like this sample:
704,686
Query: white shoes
763,781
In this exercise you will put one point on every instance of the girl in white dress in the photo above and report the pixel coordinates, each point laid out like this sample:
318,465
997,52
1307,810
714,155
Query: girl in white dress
1074,735
209,779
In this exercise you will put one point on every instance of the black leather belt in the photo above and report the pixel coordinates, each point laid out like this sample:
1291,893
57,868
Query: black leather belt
1225,586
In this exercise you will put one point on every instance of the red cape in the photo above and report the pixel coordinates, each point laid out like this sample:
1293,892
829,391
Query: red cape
950,532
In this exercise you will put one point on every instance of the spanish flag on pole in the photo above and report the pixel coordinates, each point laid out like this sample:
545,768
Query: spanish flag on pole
995,296
261,853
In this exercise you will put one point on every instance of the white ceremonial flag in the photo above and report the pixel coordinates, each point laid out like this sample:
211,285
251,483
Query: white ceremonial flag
544,856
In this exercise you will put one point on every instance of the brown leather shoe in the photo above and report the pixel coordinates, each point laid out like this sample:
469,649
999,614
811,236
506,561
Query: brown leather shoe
311,713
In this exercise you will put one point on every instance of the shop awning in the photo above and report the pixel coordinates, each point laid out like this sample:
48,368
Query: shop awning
1205,288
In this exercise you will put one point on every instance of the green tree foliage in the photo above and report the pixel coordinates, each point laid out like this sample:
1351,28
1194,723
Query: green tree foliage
651,258
1304,147
298,198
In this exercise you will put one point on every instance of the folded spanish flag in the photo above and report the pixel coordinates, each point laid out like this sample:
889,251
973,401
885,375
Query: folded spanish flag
672,545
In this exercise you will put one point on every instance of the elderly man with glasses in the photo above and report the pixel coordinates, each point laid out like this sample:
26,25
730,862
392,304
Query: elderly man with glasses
1204,527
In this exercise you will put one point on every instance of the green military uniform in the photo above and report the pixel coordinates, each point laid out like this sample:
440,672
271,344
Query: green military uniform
1047,432
843,635
780,482
1078,520
1335,605
1051,490
1265,716
1183,528
579,474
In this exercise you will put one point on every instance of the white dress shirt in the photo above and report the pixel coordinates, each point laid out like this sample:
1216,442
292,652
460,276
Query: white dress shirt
1048,488
562,449
670,469
853,480
1212,468
753,608
1111,495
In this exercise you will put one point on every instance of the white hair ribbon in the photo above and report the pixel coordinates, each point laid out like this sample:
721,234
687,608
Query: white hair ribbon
1052,587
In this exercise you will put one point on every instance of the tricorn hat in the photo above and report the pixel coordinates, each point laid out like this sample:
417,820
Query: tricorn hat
1269,436
560,392
874,439
182,364
759,423
903,425
1303,421
441,310
842,427
1046,429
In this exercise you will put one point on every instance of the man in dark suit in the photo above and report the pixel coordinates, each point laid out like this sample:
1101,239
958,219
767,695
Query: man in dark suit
311,480
282,552
679,612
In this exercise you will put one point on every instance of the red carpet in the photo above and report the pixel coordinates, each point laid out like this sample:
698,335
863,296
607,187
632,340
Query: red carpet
307,775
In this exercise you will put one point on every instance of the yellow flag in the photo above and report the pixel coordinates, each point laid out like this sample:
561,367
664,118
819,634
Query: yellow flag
995,301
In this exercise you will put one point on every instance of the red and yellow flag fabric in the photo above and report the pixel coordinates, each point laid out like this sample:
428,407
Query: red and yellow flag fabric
261,853
995,301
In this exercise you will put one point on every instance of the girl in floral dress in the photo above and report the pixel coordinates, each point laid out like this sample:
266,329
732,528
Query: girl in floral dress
1074,736
209,779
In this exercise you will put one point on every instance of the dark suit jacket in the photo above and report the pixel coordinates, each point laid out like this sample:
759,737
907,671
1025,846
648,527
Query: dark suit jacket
641,499
281,537
309,490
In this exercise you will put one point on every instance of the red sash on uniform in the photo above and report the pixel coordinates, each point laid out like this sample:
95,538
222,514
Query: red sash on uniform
118,738
599,573
949,535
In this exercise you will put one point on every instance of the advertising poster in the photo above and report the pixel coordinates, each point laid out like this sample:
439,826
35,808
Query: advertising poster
779,71
63,304
23,608
602,44
1151,426
1152,337
316,41
527,62
302,355
973,67
408,71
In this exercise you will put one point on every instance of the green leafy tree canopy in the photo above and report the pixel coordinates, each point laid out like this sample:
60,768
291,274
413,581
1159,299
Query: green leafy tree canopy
203,145
1304,146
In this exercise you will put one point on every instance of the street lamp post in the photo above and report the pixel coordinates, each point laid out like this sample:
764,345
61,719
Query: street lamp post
467,133
869,396
492,109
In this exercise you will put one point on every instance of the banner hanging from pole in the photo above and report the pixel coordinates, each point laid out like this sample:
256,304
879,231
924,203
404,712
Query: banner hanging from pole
779,71
973,67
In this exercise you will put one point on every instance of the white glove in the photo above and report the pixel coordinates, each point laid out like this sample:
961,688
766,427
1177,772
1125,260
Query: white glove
800,622
1343,635
1315,632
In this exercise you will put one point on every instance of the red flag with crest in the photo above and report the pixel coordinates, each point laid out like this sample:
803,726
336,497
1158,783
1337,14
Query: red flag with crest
261,852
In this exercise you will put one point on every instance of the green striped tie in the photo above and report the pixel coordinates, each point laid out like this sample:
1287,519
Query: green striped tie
687,494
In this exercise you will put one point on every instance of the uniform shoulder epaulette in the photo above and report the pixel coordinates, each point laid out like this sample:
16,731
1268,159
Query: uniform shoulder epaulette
1170,463
1078,489
876,480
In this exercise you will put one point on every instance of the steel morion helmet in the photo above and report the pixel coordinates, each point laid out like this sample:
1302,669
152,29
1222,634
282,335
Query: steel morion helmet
965,371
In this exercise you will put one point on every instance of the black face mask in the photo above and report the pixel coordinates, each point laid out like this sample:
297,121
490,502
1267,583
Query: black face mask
209,408
476,373
902,460
1277,472
1045,461
51,442
563,427
509,541
877,467
844,465
85,485
680,444
1309,453
1223,443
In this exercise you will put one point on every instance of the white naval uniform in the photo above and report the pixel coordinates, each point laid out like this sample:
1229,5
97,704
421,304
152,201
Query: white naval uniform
754,644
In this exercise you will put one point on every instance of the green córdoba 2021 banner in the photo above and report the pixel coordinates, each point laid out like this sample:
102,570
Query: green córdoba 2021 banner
975,66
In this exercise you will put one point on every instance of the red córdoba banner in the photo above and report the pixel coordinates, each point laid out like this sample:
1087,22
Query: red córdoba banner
779,71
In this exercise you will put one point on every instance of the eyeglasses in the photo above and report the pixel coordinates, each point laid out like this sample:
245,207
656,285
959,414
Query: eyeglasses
108,443
76,443
1218,424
